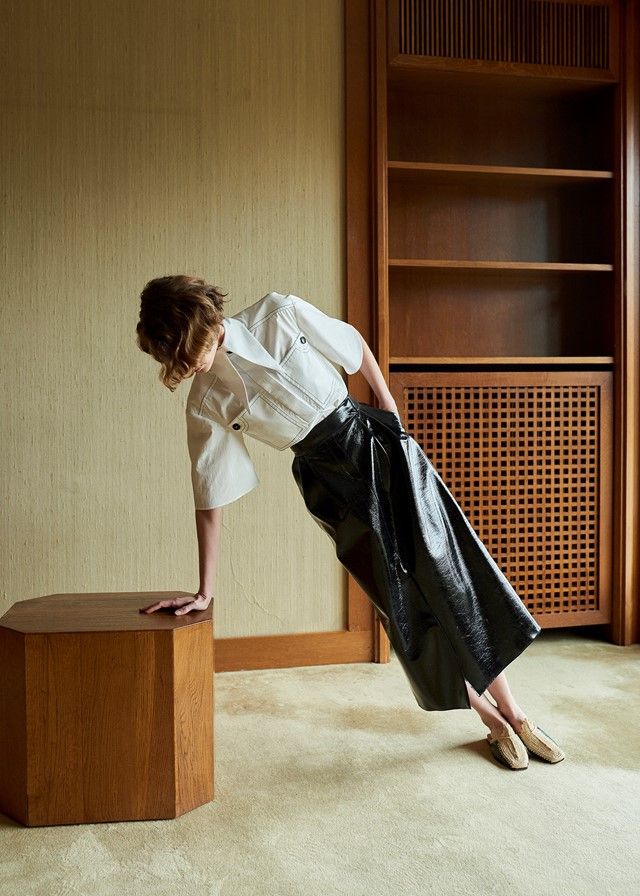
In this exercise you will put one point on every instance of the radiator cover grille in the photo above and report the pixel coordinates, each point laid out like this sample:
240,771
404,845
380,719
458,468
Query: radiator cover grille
525,463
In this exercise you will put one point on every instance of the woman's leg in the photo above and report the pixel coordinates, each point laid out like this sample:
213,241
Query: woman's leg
506,710
506,703
490,714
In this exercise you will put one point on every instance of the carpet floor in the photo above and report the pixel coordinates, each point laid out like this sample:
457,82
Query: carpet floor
331,780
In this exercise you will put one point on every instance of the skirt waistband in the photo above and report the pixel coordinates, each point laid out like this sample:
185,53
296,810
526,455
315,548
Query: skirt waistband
328,425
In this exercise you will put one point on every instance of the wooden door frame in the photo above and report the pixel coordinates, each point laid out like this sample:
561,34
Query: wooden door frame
625,623
362,217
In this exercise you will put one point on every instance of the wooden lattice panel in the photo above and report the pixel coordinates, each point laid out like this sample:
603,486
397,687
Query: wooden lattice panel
558,33
527,457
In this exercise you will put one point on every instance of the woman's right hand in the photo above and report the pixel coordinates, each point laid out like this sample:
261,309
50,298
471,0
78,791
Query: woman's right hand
184,605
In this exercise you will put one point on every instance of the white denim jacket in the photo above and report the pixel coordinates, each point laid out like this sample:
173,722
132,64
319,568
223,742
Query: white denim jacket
271,379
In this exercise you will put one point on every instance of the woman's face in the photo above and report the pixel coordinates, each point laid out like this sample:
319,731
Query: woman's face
205,362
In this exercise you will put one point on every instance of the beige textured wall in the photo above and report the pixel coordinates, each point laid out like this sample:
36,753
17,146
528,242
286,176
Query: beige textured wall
141,138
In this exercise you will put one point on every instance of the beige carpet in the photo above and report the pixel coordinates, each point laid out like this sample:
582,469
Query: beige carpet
331,780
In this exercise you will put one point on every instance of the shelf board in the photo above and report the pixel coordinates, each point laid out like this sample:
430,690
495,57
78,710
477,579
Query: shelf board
510,79
546,361
496,265
554,175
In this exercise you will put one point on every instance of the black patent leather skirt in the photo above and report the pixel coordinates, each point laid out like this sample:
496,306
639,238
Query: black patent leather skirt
448,609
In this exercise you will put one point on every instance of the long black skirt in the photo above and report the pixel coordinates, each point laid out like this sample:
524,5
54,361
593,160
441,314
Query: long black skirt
447,608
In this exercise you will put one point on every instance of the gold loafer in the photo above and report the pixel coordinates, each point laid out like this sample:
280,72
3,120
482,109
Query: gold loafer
539,742
507,748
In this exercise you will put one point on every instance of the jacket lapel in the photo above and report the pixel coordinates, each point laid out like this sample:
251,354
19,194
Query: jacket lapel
238,340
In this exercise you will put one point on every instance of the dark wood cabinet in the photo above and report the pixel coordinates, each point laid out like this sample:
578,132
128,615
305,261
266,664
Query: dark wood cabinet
504,296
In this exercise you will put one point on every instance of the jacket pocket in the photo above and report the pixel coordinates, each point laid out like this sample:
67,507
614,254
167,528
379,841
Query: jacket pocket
268,422
310,371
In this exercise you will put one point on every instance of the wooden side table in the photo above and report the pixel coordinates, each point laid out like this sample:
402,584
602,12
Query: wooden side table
106,713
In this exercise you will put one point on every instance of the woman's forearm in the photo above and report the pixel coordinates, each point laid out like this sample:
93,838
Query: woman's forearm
373,375
208,526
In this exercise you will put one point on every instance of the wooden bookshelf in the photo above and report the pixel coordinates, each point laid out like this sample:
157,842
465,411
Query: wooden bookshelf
493,262
500,270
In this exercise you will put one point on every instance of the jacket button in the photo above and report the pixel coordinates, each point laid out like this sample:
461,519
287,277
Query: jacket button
303,339
236,425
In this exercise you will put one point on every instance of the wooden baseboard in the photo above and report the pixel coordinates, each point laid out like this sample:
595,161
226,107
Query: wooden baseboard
300,649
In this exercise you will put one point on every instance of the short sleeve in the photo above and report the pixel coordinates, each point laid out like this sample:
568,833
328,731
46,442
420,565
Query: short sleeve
337,340
221,469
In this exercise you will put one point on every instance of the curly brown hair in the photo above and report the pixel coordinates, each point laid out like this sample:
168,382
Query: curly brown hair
180,318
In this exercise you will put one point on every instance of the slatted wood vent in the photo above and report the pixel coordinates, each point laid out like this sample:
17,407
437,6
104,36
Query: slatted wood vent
524,462
537,32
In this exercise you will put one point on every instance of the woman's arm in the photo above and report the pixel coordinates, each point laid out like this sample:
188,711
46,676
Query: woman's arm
208,526
373,375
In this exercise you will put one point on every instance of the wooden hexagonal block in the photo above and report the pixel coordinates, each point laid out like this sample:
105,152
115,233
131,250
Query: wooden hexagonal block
106,713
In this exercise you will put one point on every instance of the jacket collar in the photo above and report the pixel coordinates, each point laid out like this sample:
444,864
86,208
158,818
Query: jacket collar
238,340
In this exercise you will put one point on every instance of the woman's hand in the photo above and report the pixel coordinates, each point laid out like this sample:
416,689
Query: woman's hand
389,405
198,601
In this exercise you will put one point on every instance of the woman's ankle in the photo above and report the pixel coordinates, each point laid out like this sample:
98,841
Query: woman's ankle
512,713
494,719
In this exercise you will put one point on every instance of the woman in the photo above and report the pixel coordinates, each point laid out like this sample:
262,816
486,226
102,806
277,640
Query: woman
268,372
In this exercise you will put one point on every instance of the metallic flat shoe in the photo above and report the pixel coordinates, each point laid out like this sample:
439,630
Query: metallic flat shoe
539,742
507,748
